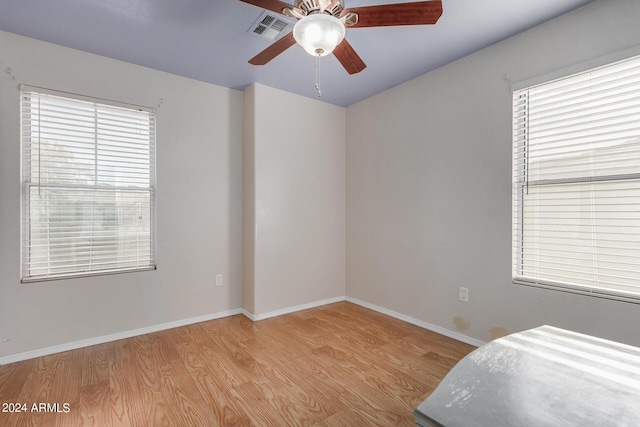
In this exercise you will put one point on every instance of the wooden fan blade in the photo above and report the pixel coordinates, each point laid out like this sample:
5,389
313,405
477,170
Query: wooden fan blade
274,50
272,5
348,57
415,13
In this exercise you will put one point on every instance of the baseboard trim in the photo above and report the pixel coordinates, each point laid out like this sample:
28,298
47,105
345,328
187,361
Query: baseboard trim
293,309
249,315
17,357
437,329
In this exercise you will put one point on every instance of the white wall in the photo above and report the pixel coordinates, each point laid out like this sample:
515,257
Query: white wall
199,199
248,199
295,198
429,187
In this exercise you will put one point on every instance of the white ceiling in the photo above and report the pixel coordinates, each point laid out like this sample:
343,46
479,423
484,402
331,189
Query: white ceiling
208,40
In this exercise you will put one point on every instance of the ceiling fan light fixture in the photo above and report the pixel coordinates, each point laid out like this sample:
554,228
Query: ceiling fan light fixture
319,34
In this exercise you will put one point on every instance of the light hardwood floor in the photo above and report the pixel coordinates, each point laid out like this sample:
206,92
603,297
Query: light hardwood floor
336,365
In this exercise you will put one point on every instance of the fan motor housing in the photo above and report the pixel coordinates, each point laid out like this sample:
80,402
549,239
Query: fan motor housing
331,7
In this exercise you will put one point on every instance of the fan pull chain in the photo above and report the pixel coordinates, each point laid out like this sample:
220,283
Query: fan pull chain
318,75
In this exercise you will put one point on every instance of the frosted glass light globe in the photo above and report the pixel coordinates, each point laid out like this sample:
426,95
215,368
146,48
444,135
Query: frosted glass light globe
319,34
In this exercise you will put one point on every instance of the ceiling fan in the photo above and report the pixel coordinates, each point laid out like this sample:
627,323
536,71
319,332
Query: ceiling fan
321,26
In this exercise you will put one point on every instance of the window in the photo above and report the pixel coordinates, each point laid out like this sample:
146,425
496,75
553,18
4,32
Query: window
576,183
88,178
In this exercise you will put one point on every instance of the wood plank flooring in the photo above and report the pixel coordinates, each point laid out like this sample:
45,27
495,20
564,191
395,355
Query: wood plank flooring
336,365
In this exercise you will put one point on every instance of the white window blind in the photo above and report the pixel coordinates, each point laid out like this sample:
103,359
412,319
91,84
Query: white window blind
576,182
88,186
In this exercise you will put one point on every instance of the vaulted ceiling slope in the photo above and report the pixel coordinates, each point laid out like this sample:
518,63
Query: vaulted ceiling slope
211,40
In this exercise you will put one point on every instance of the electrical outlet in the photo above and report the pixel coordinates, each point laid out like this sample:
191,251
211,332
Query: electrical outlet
464,294
218,279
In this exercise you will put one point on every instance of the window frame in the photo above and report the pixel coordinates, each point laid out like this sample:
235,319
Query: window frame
521,184
27,183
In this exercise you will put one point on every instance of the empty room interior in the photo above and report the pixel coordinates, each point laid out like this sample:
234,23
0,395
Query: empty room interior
190,237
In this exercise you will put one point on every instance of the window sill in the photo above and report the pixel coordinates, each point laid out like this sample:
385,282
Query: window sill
610,294
90,274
